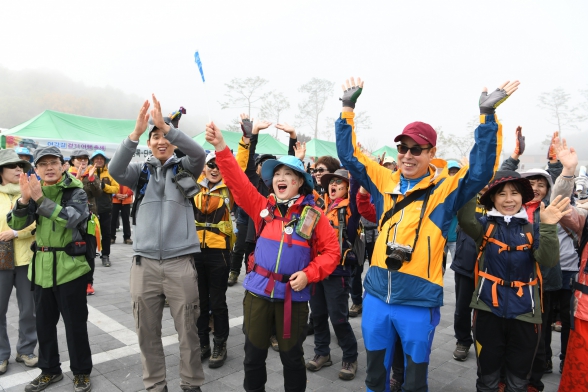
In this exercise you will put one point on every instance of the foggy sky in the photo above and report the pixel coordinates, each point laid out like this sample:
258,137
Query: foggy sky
421,60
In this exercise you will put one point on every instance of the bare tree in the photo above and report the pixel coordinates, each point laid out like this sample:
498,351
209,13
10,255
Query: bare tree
557,104
449,144
234,126
362,121
318,91
244,93
273,105
302,138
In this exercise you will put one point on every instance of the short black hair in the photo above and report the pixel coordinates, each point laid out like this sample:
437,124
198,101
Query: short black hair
516,185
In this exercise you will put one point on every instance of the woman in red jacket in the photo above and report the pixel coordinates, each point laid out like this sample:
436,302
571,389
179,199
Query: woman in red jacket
121,203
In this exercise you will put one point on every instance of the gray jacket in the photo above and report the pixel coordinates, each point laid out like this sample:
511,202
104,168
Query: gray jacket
165,220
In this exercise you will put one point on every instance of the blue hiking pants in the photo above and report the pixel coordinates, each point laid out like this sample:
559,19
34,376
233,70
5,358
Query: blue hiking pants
381,325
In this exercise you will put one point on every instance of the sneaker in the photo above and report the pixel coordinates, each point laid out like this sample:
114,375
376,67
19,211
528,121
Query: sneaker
548,367
82,383
461,352
348,370
112,241
395,385
90,289
3,366
105,261
557,326
29,360
355,310
204,352
274,343
233,277
128,242
219,355
318,362
43,381
501,387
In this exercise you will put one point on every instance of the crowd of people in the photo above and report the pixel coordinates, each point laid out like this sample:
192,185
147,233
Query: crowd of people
516,241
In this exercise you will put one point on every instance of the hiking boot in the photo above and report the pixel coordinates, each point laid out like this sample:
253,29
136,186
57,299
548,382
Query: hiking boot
318,362
29,360
90,289
531,388
43,381
204,352
128,241
274,343
105,261
112,241
348,370
82,383
355,310
233,277
219,355
461,352
3,366
395,385
501,387
548,368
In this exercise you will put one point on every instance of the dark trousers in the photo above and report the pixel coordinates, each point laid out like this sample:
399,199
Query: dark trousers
92,264
544,352
69,300
356,282
260,316
125,211
212,266
398,362
504,342
563,297
462,318
329,300
105,226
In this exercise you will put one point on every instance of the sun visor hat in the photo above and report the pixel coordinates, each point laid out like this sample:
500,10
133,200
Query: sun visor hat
269,167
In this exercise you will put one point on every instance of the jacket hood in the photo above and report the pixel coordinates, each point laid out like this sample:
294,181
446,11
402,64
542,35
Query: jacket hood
522,214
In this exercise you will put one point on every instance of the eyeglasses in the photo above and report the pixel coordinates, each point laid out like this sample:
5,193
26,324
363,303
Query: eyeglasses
319,170
415,151
14,165
48,164
211,165
336,181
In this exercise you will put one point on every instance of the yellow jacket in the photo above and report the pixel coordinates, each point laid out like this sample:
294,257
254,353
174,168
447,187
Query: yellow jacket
23,255
213,216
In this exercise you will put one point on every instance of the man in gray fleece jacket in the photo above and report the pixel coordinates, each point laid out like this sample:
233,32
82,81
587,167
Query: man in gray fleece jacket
165,240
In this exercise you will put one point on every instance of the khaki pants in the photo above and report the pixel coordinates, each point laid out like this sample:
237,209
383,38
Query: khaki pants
176,279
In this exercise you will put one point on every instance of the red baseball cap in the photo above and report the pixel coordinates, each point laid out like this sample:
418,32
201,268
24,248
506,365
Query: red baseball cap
420,132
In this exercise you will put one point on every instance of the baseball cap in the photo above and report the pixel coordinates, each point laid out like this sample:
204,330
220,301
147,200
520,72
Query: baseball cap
211,155
420,132
388,160
47,151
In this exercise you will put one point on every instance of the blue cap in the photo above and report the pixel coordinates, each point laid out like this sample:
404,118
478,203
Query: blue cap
24,151
453,164
269,167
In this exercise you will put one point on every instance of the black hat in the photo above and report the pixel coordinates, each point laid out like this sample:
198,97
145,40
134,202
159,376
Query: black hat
503,176
263,157
45,151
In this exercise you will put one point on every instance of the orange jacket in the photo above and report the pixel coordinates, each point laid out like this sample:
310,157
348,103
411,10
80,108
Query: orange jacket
123,191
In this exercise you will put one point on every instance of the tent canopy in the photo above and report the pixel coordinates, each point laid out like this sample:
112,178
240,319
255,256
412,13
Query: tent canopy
266,144
390,152
319,148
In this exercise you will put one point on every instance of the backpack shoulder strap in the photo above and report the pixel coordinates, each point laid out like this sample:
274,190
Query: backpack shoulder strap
141,188
490,229
397,207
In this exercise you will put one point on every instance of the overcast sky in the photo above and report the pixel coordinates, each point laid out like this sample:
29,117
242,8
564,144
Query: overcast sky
421,60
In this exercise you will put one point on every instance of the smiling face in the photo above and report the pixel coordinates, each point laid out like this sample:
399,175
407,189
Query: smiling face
11,175
540,188
99,161
286,182
160,147
81,163
508,200
338,188
211,172
412,166
319,170
50,169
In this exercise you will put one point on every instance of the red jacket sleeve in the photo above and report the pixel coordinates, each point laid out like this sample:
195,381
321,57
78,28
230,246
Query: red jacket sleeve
365,207
244,193
326,252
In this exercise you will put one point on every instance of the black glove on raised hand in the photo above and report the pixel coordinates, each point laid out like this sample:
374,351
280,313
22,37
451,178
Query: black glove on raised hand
246,127
488,103
350,96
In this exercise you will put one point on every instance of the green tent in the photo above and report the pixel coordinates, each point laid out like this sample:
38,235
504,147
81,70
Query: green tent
318,148
266,144
390,152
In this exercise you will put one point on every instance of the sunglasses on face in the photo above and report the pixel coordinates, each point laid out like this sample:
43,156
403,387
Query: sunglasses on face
336,181
211,165
415,150
319,170
14,165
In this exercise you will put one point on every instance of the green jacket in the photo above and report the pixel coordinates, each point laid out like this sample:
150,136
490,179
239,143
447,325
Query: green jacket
56,227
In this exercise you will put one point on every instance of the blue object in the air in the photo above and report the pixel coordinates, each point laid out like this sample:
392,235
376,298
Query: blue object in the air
199,64
24,151
269,166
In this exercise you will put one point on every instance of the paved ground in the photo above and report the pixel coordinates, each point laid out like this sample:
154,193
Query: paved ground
117,364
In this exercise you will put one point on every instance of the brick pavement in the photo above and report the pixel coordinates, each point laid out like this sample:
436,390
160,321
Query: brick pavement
118,365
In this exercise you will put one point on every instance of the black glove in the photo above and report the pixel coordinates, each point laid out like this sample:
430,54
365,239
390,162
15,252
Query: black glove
247,127
488,103
350,96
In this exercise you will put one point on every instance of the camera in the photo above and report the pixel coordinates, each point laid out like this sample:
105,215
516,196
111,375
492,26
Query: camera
397,254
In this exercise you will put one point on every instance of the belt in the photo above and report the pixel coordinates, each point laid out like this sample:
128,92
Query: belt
283,278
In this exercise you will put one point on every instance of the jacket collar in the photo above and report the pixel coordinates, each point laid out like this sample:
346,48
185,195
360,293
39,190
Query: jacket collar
433,177
498,217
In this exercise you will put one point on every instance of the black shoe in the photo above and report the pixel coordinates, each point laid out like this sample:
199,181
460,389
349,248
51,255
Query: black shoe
105,261
548,367
43,381
219,355
205,352
82,383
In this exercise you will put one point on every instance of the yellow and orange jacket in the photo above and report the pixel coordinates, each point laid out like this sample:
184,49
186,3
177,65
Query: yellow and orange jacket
420,281
213,216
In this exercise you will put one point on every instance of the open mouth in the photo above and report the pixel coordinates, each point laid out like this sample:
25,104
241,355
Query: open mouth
332,191
282,187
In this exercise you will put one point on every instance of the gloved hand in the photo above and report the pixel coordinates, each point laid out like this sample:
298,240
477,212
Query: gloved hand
488,103
581,184
551,154
246,127
351,91
520,142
